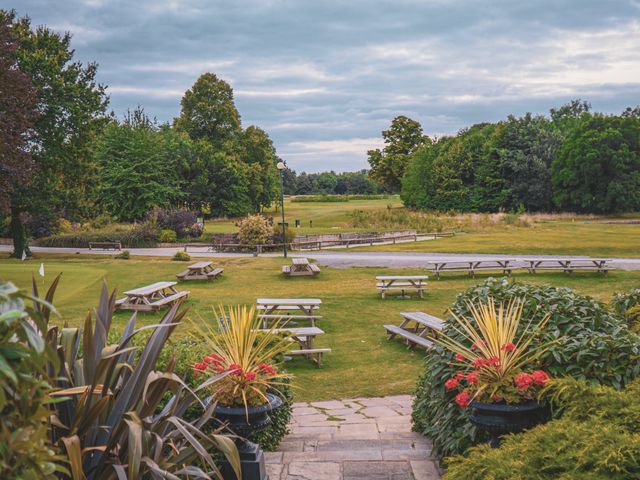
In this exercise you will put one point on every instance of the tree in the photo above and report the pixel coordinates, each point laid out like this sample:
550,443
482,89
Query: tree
136,173
260,154
289,181
208,111
71,106
401,140
17,117
598,167
568,115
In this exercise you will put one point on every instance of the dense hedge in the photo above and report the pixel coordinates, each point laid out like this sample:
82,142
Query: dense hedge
597,437
335,198
138,236
594,344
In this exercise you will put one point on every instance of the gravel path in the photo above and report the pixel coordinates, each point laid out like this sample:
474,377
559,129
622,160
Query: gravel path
341,259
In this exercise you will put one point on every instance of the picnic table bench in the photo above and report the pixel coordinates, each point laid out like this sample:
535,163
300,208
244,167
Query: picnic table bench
300,267
304,337
568,265
423,323
200,271
470,266
403,283
105,245
151,297
280,308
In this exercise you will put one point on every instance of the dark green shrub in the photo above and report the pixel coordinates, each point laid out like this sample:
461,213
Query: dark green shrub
25,448
624,301
123,255
181,256
167,236
597,437
594,344
142,235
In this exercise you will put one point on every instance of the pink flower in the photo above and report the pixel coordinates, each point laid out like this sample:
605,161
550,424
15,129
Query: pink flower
523,381
250,376
463,399
508,347
472,377
460,357
451,383
266,368
540,377
235,369
459,375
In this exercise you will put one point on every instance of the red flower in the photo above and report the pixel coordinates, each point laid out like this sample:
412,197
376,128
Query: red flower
508,347
213,358
250,376
472,377
266,368
478,363
523,381
200,366
540,377
451,383
459,375
235,369
477,347
460,357
463,399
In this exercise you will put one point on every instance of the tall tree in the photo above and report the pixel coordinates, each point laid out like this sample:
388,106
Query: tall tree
71,106
258,152
208,111
598,168
17,117
567,117
401,140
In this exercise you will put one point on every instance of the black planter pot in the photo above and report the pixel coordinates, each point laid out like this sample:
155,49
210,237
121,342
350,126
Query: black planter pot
498,418
244,422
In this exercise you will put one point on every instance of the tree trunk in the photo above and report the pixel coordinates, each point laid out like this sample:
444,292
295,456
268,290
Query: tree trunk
19,234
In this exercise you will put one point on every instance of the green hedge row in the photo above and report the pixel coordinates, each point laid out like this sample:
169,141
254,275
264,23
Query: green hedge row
595,345
138,236
335,198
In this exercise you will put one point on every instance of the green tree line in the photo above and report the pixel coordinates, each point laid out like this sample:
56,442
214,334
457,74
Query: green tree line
330,183
572,160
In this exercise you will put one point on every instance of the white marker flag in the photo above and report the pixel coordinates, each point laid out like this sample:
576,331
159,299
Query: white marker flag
41,271
24,255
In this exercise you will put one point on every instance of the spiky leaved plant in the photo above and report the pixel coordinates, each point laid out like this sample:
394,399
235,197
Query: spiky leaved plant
107,417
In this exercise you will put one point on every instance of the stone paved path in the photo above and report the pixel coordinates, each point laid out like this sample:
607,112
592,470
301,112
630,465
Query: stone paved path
357,439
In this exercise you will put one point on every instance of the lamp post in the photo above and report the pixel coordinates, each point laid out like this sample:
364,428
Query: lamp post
281,166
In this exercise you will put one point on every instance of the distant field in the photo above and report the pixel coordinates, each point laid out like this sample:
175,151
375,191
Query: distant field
562,238
363,362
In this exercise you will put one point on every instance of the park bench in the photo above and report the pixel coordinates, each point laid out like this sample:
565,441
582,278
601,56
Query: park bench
568,265
304,337
105,246
403,283
200,271
300,267
282,308
423,324
469,266
151,297
314,354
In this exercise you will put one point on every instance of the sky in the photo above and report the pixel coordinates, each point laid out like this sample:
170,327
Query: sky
325,77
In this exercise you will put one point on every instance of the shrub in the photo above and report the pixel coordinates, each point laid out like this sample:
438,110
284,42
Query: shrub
597,437
289,234
101,221
141,235
254,230
182,221
26,451
181,256
167,236
123,255
622,302
594,345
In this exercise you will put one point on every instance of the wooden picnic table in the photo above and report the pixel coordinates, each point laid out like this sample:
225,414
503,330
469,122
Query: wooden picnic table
470,266
151,297
280,308
568,265
200,271
300,267
402,283
423,324
304,337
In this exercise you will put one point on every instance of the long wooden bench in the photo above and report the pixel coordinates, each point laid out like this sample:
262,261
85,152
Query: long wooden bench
170,299
105,245
470,266
286,317
314,354
423,324
402,283
287,307
568,265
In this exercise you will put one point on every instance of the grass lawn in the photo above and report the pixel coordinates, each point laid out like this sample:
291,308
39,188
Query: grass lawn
327,217
560,238
362,363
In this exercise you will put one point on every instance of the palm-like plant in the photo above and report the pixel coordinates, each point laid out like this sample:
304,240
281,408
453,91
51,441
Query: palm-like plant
493,352
107,413
245,355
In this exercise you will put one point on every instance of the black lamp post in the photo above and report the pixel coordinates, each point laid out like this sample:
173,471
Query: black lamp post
281,166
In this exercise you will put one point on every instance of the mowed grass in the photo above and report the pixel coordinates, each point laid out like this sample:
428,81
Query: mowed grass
552,238
363,362
327,217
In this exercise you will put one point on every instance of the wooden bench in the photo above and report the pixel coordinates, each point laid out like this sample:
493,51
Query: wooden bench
470,266
404,283
314,268
423,324
105,245
200,271
150,297
286,317
286,269
287,307
568,265
170,299
314,354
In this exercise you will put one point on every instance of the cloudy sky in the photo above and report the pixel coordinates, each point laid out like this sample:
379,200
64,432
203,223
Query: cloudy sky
324,77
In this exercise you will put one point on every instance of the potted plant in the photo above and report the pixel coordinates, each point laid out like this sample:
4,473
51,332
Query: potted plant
497,376
243,375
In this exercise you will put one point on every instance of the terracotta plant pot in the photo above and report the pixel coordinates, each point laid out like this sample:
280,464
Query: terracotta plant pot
243,422
499,418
